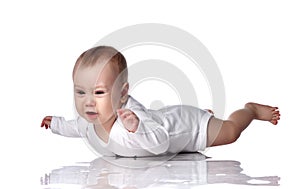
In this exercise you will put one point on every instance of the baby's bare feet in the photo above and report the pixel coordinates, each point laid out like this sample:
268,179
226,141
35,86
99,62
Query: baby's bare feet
264,112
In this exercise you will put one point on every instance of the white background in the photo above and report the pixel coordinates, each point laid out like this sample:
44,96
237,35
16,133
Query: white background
255,44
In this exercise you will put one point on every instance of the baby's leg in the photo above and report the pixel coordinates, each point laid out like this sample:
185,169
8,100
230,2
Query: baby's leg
220,132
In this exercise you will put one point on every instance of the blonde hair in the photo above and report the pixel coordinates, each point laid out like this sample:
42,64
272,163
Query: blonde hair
100,55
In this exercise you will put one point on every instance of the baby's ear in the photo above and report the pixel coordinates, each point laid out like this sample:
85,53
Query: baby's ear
124,92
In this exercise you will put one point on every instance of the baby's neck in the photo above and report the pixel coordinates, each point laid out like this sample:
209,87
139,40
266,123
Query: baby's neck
103,130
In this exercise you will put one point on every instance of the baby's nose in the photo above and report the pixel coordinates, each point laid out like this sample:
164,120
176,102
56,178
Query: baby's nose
90,101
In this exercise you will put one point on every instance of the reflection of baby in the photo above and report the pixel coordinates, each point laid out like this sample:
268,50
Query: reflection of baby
184,171
115,123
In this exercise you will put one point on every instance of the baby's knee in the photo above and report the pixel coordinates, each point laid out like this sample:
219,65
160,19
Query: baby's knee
222,132
232,131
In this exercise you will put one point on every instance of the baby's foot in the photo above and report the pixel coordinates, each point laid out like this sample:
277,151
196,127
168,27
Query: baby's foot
264,112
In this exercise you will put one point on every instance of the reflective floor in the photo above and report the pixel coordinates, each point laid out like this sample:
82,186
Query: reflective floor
186,170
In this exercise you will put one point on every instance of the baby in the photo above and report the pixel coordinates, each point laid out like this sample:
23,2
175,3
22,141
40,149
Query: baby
114,123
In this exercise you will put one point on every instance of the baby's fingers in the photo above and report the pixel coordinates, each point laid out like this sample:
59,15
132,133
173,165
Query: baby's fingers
124,113
46,122
130,118
47,125
131,123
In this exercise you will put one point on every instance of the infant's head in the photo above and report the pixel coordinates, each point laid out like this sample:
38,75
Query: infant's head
100,84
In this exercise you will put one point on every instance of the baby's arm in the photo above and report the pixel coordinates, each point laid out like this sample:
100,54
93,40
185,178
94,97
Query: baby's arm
143,132
71,128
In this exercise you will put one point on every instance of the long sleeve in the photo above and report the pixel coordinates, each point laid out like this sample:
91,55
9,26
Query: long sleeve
71,128
151,138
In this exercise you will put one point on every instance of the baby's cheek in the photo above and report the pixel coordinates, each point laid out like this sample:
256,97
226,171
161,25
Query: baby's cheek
115,102
79,106
104,106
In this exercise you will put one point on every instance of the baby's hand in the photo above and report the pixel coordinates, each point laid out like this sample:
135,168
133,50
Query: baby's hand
129,119
210,111
46,122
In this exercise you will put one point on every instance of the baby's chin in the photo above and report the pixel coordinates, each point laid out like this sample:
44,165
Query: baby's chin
97,121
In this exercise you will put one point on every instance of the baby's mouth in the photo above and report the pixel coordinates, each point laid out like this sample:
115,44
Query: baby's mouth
91,113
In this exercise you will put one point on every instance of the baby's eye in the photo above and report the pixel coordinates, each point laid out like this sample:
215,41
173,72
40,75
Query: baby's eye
99,92
80,92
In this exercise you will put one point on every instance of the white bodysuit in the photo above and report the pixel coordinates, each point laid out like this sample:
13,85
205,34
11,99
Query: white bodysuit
171,129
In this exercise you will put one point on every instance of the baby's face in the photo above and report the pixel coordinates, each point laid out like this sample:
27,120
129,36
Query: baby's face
97,95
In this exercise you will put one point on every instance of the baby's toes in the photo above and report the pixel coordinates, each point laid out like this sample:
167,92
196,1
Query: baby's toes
276,117
274,121
277,113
